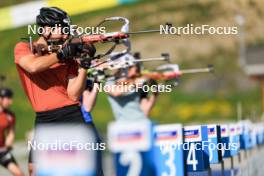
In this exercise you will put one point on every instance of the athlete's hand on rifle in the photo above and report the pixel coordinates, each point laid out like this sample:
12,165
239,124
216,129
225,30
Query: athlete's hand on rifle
76,50
87,55
69,51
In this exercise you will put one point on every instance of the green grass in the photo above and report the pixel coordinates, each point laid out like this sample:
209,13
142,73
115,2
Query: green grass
180,105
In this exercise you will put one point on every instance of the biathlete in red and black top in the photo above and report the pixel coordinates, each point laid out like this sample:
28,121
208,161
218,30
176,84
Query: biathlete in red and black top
54,82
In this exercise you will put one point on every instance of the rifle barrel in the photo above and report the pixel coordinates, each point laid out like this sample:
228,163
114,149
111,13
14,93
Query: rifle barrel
198,70
143,32
151,59
101,63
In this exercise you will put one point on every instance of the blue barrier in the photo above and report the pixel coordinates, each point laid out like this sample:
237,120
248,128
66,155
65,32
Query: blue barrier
131,144
234,139
196,160
214,141
141,149
225,140
168,152
245,138
260,133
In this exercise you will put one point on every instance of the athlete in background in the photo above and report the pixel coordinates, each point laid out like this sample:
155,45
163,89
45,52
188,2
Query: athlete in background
7,133
130,104
88,101
148,100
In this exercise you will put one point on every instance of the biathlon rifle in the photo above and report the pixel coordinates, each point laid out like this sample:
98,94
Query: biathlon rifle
114,63
120,37
169,72
172,72
98,70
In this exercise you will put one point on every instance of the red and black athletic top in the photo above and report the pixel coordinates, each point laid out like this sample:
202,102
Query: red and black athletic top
7,121
46,90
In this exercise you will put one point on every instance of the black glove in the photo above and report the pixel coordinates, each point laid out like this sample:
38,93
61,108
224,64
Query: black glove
69,51
85,63
87,54
89,50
